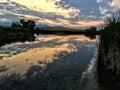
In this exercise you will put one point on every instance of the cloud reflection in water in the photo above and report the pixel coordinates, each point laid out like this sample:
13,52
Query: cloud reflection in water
49,58
20,63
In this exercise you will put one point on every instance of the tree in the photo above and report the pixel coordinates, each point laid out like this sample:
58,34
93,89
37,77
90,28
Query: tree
16,24
91,32
24,23
92,28
27,23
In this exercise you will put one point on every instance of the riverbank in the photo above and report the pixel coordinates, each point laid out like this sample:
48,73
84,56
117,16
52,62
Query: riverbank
13,34
109,47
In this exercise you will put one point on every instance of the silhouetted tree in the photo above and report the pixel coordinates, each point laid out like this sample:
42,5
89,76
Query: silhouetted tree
27,23
24,23
92,29
91,32
16,24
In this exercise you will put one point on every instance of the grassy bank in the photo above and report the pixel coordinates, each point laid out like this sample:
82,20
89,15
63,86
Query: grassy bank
109,46
12,34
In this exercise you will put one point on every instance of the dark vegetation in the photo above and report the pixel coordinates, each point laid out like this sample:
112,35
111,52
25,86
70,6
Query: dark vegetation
19,31
89,32
14,34
109,46
30,24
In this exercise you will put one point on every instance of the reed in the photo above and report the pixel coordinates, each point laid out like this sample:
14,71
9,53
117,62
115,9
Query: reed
109,45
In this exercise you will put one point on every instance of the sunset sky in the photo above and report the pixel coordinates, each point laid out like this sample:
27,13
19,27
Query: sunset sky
69,13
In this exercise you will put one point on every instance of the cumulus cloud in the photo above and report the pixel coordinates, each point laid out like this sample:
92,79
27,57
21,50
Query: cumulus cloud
115,3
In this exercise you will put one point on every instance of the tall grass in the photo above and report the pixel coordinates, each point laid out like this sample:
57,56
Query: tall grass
109,45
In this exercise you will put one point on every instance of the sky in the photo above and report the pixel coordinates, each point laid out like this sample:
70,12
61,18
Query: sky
68,13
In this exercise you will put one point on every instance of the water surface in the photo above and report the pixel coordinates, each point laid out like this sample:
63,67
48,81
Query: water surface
50,63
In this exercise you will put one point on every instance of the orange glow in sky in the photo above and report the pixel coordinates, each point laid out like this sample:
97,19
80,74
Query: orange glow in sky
48,13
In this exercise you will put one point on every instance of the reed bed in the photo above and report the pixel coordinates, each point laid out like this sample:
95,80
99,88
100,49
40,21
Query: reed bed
109,45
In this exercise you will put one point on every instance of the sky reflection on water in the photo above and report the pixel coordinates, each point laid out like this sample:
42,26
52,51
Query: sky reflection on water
49,58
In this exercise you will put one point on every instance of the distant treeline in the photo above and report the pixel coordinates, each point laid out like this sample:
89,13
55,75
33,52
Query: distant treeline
90,32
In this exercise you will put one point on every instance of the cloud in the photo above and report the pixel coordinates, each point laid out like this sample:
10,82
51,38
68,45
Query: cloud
49,6
98,1
115,3
70,13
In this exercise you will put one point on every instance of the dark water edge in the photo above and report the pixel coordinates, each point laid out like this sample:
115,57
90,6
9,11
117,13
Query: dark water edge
17,39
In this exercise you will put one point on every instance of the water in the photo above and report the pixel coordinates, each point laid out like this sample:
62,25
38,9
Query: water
52,63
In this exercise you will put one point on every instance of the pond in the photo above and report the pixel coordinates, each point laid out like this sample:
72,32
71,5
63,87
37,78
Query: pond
52,62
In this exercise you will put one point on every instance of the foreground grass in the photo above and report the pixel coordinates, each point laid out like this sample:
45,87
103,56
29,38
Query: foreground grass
109,46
